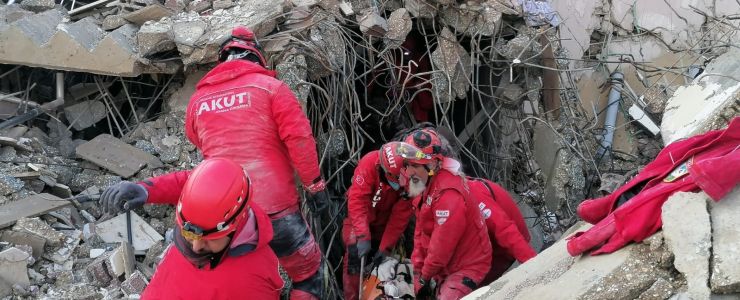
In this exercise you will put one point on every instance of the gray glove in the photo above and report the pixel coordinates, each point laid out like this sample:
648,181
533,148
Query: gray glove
123,196
363,248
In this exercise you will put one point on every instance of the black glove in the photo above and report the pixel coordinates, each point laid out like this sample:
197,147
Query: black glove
123,196
379,257
318,202
425,290
363,248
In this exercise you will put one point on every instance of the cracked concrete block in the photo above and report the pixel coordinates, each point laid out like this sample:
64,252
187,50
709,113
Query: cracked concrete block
85,114
135,284
473,18
706,103
151,12
371,23
399,26
112,22
187,33
687,232
40,228
451,58
113,154
24,238
660,290
13,263
37,5
154,37
114,231
97,273
725,242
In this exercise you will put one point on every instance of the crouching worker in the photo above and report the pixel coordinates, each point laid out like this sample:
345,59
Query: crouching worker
221,248
452,251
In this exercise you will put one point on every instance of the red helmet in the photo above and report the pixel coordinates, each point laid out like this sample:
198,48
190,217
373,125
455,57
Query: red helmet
395,155
243,40
429,141
214,200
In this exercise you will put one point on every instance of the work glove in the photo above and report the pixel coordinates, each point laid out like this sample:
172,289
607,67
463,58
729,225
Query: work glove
124,195
425,289
379,258
318,197
363,248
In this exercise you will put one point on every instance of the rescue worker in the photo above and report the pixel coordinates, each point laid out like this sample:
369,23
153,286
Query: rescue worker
452,251
505,225
221,248
242,112
378,216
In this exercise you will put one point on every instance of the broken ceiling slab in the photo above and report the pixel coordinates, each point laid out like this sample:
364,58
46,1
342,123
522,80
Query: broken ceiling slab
473,18
451,58
113,154
707,103
114,231
31,206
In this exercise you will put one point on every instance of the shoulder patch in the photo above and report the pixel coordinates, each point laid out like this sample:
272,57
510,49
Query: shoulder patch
442,213
441,221
359,180
486,213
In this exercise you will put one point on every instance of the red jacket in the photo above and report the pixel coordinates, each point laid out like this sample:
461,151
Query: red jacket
715,157
250,275
241,112
450,235
376,210
506,227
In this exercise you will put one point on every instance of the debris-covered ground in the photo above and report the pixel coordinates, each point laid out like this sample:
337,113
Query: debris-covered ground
557,101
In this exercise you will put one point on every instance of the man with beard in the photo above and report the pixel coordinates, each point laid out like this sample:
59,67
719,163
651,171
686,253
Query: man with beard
378,216
221,249
506,227
452,251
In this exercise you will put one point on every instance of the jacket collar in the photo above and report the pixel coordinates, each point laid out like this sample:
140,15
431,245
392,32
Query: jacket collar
232,69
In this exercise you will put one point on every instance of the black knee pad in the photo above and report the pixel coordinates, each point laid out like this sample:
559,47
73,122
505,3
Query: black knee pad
290,234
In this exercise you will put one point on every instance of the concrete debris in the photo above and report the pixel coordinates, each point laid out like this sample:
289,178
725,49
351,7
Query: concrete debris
115,155
725,263
538,13
399,26
37,5
39,228
292,71
372,24
199,6
624,274
85,114
687,231
151,12
222,4
13,262
9,184
135,284
346,8
113,22
420,8
31,206
707,104
512,94
473,18
114,231
24,238
451,58
522,47
328,50
610,182
97,272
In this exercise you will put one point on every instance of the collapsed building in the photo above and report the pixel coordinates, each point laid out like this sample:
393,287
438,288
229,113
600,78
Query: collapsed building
557,101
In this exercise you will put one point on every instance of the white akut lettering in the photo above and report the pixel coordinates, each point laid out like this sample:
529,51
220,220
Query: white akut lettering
391,158
442,213
224,102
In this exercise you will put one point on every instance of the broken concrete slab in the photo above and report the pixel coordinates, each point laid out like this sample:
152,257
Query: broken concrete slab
687,231
97,273
451,58
346,9
421,8
399,26
113,22
707,103
725,240
135,284
224,4
292,71
113,154
152,12
13,263
9,185
114,231
31,206
25,238
85,114
7,141
554,274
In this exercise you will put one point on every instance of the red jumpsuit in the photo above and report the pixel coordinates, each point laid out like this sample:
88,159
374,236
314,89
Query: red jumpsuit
241,112
451,243
251,274
711,161
376,213
506,227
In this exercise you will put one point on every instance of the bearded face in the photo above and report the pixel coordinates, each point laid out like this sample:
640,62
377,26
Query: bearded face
417,178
